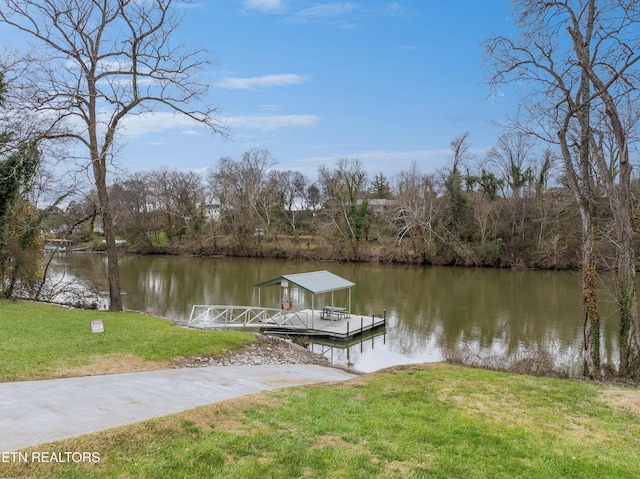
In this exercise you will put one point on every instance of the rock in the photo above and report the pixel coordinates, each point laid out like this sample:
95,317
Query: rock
266,350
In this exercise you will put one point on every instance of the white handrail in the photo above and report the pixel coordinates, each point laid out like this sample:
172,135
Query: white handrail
223,315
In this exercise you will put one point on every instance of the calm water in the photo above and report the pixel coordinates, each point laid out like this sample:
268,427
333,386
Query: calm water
489,311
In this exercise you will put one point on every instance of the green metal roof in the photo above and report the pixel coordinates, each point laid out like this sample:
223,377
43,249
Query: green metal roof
314,282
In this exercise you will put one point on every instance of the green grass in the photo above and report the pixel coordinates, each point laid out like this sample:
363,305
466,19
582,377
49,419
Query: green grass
42,341
160,238
439,421
433,421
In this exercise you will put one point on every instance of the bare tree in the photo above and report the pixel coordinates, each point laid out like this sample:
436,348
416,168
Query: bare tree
342,187
289,188
512,157
418,212
607,46
98,62
579,60
532,59
179,198
485,210
241,188
133,201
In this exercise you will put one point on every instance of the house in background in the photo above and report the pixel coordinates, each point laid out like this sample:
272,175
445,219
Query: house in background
211,212
378,206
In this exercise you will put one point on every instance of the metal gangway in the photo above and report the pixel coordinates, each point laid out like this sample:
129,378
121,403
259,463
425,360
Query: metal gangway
228,316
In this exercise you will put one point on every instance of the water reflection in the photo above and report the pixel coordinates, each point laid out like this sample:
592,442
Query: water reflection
428,308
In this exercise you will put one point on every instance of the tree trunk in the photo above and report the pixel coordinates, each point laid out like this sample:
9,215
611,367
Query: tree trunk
115,297
100,176
579,180
627,299
618,194
626,280
591,314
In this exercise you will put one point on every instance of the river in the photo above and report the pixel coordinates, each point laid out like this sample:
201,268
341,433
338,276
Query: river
485,312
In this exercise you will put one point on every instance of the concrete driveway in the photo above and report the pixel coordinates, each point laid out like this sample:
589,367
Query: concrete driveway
35,412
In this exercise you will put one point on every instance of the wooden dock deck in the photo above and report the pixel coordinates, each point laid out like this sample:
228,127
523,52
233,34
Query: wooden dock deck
342,328
305,322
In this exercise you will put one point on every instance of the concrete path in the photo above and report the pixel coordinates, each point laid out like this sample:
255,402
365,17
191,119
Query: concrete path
35,412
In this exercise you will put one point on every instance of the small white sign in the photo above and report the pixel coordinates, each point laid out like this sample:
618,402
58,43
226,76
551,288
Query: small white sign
284,283
97,326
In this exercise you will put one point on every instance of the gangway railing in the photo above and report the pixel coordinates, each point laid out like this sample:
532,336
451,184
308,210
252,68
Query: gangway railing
216,316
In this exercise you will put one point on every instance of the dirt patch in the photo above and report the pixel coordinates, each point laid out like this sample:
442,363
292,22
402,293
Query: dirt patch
219,416
110,364
401,468
333,441
627,400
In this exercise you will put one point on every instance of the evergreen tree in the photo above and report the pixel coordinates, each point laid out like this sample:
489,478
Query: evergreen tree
18,222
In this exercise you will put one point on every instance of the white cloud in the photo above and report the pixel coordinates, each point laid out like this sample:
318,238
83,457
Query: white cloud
396,10
191,132
327,10
271,122
270,107
264,5
261,82
389,162
392,157
189,5
333,13
157,122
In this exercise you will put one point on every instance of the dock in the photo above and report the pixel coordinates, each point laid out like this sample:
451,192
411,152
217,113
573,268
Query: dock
323,319
306,322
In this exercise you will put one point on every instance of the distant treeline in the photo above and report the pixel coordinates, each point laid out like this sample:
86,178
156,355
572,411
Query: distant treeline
500,212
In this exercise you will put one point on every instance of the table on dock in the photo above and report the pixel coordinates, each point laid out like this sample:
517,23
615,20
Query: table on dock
332,312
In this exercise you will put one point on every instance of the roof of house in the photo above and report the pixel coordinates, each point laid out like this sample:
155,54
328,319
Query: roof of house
314,282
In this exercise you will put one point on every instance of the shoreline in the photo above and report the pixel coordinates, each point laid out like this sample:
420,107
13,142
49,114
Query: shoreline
266,350
365,253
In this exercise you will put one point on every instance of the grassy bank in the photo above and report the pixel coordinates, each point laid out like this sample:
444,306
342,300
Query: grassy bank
40,341
439,421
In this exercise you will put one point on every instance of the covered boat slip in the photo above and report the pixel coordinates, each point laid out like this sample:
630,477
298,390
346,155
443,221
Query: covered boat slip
316,282
324,318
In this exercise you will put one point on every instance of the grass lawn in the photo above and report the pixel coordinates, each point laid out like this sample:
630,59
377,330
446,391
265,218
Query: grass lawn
431,421
40,341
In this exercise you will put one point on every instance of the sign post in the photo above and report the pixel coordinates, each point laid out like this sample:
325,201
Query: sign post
97,326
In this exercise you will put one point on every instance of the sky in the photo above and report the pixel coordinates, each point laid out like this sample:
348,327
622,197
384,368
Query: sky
386,82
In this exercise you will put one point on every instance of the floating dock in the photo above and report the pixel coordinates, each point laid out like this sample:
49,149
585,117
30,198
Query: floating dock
323,319
306,322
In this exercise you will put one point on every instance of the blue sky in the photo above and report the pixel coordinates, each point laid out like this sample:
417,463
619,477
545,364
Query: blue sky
388,82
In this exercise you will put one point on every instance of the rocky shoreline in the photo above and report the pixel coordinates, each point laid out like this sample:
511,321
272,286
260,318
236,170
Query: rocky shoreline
265,350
